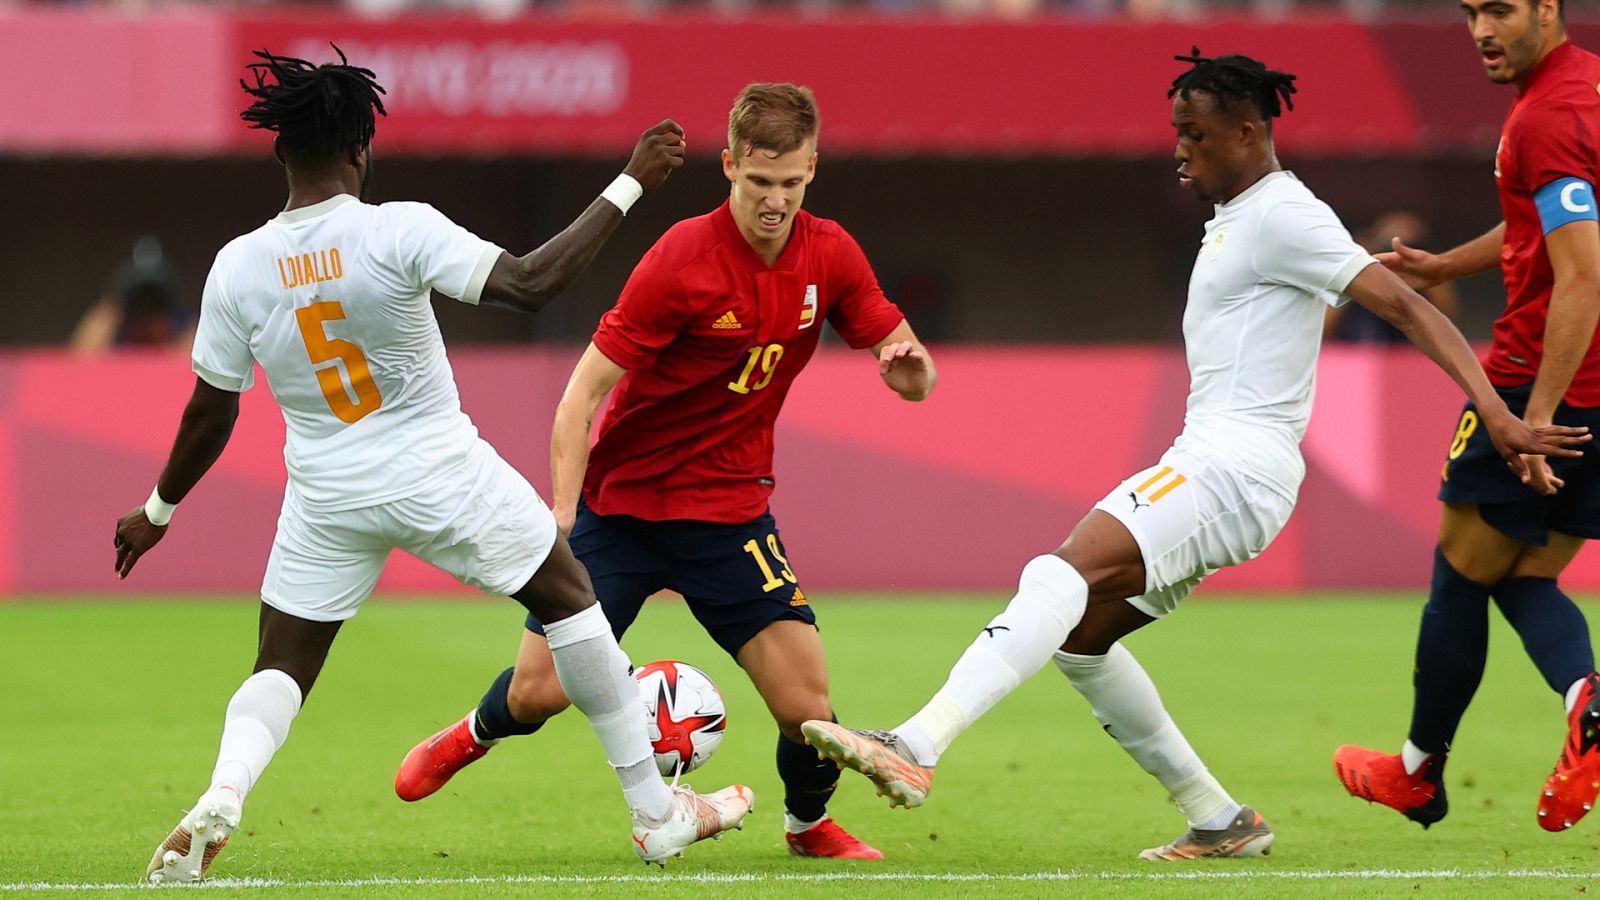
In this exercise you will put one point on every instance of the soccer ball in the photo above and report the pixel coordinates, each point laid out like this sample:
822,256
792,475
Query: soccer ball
686,714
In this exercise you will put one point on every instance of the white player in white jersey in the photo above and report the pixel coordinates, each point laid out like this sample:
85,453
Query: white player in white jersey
331,298
1272,257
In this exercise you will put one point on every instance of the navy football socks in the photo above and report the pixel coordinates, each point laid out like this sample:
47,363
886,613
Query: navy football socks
493,720
808,779
1552,628
1452,647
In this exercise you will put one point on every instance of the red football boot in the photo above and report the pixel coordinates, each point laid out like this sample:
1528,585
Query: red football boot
1570,790
432,763
1381,778
827,839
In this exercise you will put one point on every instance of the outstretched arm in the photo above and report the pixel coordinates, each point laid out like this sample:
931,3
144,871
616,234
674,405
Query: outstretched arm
206,426
593,378
530,282
904,364
1381,291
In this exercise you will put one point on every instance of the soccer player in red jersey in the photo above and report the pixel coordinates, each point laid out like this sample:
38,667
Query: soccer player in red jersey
711,330
1500,538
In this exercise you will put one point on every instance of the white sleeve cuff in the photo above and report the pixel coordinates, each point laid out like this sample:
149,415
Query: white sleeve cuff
224,382
480,275
1348,272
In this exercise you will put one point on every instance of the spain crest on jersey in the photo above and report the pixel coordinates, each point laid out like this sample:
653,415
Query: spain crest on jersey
808,307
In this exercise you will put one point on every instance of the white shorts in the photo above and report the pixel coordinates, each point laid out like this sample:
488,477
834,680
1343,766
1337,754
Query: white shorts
1190,517
482,523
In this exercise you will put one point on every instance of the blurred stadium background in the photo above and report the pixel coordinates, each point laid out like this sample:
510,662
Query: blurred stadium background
1005,163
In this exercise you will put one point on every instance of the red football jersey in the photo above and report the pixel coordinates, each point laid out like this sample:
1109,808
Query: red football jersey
1551,132
712,338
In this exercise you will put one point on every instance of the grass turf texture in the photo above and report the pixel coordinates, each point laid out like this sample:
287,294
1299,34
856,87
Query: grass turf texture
111,711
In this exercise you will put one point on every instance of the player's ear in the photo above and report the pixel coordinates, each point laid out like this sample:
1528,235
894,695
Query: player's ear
728,164
811,167
277,151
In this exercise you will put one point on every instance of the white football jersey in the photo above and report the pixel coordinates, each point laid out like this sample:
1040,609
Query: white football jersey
333,301
1272,259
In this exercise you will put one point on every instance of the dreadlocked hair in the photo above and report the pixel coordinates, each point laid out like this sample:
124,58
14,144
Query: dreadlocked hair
319,112
1236,78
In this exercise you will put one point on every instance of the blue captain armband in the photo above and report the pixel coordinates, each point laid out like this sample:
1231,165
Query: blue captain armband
1564,201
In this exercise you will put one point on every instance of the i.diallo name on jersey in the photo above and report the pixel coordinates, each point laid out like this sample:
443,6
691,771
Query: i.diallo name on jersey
310,268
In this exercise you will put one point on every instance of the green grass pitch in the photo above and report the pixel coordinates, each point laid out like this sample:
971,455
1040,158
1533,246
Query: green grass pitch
110,711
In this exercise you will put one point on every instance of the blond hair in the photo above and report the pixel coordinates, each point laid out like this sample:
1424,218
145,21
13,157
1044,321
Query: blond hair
776,118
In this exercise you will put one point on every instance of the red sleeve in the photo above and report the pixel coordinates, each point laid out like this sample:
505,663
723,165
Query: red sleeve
1555,141
862,315
647,317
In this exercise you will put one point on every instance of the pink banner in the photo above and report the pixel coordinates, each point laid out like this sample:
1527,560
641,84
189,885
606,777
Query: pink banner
167,81
954,493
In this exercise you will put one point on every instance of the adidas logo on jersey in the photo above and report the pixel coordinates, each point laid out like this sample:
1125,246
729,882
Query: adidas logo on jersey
728,321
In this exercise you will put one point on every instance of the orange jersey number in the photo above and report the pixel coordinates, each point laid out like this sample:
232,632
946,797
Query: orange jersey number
322,349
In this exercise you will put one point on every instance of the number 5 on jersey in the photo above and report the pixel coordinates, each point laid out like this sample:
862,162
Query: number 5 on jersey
322,349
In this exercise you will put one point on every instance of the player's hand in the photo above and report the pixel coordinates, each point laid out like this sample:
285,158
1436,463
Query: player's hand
659,151
1517,441
135,535
1541,477
1417,268
564,519
904,367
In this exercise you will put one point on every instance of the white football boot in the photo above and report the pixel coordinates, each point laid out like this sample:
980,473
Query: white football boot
694,817
186,854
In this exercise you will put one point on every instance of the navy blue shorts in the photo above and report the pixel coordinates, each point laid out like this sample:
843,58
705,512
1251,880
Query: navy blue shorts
1474,472
736,578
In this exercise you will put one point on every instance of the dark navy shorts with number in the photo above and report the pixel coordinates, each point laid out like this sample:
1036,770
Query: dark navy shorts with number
735,578
1474,472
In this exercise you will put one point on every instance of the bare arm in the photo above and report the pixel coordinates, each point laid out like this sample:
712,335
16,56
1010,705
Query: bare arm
530,282
593,378
1422,269
1381,291
905,365
1574,251
202,434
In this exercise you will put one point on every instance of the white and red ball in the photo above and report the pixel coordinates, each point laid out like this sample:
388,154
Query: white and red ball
686,714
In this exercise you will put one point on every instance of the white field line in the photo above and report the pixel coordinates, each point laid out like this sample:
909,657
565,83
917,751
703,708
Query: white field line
223,884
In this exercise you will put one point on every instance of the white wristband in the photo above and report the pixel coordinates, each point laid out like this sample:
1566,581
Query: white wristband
624,192
157,510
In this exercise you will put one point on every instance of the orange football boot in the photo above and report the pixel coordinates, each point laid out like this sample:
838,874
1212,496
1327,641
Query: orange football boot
1570,790
1381,778
828,839
879,755
434,761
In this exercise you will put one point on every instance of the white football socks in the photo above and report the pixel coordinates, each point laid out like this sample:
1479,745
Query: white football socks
1126,702
1050,601
594,673
255,726
1412,757
1571,698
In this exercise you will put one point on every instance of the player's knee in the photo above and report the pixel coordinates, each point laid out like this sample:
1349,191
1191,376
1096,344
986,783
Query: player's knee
1087,640
535,698
792,713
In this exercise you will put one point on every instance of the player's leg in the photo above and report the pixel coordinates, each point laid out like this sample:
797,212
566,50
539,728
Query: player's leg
495,533
321,568
1126,703
522,698
1099,563
786,664
741,586
1158,531
1452,648
1556,636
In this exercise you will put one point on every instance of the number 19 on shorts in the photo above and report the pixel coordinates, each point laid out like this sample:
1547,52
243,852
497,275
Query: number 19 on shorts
774,580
